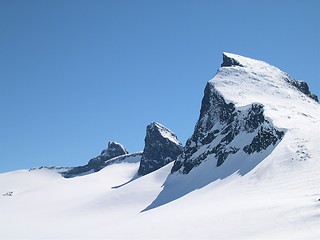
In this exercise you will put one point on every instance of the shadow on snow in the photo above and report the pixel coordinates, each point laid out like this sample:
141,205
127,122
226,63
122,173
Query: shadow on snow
136,176
178,185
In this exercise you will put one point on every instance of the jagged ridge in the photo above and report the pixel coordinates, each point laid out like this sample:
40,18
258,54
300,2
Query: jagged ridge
223,129
96,164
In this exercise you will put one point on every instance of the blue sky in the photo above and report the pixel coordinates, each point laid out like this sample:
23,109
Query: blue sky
77,74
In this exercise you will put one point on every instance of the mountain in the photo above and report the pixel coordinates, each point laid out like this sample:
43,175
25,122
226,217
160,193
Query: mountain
161,147
227,129
224,130
250,112
250,170
96,164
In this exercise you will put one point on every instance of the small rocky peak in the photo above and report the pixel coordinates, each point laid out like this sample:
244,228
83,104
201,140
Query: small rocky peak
161,147
96,164
114,150
228,61
155,129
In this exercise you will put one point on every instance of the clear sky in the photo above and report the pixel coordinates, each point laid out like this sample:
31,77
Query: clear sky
77,74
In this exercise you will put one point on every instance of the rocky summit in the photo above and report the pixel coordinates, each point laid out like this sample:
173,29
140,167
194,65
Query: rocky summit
114,150
96,164
161,147
224,129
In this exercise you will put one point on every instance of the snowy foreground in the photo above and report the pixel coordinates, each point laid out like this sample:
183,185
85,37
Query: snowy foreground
277,199
267,203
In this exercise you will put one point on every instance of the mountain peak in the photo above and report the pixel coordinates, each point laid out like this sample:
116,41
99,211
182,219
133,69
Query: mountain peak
232,60
114,149
244,112
96,164
165,132
161,147
243,80
229,60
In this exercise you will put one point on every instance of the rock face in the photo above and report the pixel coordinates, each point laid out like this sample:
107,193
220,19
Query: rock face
229,62
224,130
96,164
114,150
231,125
161,147
303,87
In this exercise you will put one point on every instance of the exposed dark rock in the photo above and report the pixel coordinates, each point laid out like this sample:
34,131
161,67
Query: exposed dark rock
302,87
8,194
219,124
229,62
161,147
214,109
266,136
96,164
114,150
54,168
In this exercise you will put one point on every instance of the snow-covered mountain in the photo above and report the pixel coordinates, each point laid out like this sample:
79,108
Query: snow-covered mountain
233,123
161,147
250,170
114,150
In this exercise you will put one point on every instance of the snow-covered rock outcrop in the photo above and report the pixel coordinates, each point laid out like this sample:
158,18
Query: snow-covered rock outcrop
161,147
114,150
96,164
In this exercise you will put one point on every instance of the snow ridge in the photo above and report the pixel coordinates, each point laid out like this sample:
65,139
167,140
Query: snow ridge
166,133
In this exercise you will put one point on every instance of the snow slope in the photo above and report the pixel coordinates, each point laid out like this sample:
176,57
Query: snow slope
275,199
166,133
